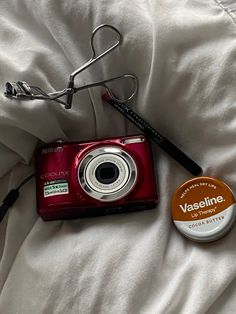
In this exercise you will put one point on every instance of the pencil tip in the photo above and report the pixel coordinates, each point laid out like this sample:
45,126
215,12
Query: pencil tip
106,97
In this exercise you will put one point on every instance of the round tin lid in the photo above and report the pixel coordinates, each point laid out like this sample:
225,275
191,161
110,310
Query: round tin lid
203,209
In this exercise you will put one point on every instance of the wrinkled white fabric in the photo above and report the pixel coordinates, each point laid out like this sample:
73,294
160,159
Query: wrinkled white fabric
183,53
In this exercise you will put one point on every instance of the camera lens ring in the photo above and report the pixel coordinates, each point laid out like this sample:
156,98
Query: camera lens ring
96,162
124,182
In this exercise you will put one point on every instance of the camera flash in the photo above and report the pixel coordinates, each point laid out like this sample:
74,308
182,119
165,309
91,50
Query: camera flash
133,140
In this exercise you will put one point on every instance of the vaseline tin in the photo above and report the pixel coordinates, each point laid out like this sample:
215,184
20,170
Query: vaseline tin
203,209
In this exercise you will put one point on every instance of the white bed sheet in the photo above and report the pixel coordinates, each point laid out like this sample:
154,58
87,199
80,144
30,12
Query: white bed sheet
183,53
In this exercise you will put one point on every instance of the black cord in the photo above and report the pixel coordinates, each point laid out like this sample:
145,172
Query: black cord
12,196
25,181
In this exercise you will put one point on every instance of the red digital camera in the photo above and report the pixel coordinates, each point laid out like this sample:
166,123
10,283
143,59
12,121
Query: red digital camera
95,178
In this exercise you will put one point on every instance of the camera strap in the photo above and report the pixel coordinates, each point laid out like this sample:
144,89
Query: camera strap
12,196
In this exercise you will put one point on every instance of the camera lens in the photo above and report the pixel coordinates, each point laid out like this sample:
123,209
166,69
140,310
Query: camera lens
107,173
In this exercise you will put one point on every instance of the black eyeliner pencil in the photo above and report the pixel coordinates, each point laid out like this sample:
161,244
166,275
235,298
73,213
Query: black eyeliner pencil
163,142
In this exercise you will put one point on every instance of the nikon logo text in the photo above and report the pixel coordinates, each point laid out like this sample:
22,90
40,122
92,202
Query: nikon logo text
52,150
207,201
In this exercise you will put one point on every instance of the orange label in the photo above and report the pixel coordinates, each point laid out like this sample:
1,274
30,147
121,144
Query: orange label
201,198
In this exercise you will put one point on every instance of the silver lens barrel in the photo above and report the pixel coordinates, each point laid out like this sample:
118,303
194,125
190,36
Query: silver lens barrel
107,173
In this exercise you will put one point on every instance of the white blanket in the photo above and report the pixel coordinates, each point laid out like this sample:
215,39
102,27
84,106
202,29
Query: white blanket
183,53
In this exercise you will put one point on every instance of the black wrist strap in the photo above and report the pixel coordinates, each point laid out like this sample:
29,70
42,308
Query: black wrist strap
11,197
